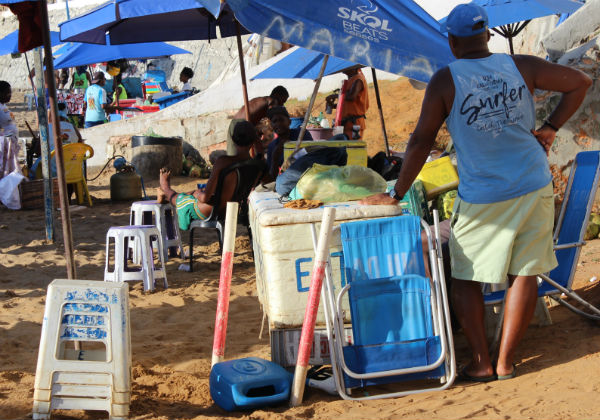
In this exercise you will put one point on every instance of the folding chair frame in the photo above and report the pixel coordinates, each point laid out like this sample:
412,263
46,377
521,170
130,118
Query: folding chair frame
595,315
334,320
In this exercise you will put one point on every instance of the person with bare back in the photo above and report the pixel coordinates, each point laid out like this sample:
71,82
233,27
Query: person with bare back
197,205
258,110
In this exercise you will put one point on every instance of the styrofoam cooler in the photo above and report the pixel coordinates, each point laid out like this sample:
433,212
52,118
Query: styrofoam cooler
248,383
283,253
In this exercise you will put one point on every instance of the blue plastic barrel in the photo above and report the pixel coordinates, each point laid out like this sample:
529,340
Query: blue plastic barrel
249,383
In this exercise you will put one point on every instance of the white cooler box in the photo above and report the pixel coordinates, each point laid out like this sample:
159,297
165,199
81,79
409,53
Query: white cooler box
283,255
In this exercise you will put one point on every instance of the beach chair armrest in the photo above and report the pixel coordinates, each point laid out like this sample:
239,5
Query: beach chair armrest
571,245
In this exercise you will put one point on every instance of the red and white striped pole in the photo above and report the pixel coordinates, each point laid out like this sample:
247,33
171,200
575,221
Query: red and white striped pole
312,307
225,283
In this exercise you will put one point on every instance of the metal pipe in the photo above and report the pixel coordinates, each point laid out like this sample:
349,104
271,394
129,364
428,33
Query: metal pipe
58,152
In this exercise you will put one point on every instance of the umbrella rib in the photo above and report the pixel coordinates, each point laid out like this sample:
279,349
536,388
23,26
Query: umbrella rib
521,27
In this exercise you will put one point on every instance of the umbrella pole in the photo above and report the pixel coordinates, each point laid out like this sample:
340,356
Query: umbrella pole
42,114
385,137
242,69
58,152
310,106
30,79
510,45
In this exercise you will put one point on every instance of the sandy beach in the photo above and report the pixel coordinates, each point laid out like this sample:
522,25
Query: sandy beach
172,335
172,330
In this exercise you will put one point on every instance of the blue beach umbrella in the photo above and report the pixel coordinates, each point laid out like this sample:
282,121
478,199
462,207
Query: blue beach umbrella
508,17
132,21
304,64
10,43
80,54
307,64
395,36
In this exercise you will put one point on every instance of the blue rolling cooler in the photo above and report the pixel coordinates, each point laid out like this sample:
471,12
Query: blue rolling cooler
249,383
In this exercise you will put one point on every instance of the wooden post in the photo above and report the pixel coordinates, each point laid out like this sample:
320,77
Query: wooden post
380,109
225,283
42,114
311,103
242,69
58,152
288,162
312,307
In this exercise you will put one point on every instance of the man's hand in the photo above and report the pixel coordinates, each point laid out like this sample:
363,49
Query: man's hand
380,198
200,196
545,135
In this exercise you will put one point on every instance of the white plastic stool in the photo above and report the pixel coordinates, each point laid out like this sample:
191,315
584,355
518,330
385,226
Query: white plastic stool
164,217
97,376
144,238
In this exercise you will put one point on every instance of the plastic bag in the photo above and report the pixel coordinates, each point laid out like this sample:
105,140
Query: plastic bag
339,183
9,190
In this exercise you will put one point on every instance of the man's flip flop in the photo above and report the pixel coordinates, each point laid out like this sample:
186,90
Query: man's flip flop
464,376
510,375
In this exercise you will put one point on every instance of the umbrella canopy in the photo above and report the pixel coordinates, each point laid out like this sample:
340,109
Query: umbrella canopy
304,64
509,17
396,36
10,43
79,54
132,21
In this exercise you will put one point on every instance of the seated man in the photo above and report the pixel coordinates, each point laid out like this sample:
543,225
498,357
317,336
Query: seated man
280,120
196,205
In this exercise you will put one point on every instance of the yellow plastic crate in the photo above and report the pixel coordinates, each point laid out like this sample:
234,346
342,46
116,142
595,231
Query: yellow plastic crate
438,176
356,149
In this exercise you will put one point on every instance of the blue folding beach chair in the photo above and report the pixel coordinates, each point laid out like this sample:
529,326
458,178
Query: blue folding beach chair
569,235
400,318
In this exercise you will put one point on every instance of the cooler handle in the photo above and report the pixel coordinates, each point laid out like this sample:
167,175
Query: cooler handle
240,399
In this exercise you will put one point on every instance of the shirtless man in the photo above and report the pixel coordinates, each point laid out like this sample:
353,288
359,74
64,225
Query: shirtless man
258,111
197,205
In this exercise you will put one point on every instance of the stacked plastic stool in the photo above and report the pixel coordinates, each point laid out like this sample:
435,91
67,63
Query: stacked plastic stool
84,359
146,238
164,217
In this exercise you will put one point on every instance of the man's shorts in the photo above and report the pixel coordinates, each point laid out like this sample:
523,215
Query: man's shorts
489,241
187,210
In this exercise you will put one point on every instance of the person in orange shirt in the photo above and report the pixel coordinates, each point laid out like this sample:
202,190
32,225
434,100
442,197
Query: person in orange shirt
356,102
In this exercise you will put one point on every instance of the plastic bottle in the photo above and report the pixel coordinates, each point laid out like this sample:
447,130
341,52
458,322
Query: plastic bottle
320,117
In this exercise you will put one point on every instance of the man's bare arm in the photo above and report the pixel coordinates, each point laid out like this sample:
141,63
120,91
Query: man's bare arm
572,83
433,114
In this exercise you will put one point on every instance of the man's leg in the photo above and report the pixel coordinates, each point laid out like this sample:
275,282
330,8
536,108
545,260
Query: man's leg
467,301
168,194
518,310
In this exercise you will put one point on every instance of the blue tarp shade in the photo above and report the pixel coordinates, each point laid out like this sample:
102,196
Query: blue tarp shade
396,36
132,21
303,64
80,54
10,43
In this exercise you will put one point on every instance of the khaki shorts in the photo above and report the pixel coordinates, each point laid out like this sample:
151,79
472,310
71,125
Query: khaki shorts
489,241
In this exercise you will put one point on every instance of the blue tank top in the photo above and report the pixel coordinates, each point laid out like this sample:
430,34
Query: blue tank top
490,124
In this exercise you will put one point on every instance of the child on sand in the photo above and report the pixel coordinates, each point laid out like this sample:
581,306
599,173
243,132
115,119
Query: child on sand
197,205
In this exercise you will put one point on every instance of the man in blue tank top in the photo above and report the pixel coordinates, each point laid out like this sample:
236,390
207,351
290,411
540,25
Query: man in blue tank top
503,216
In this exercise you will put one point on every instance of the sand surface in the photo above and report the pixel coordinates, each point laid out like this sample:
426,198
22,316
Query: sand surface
558,365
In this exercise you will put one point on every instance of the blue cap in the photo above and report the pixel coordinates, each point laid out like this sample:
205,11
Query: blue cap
463,18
